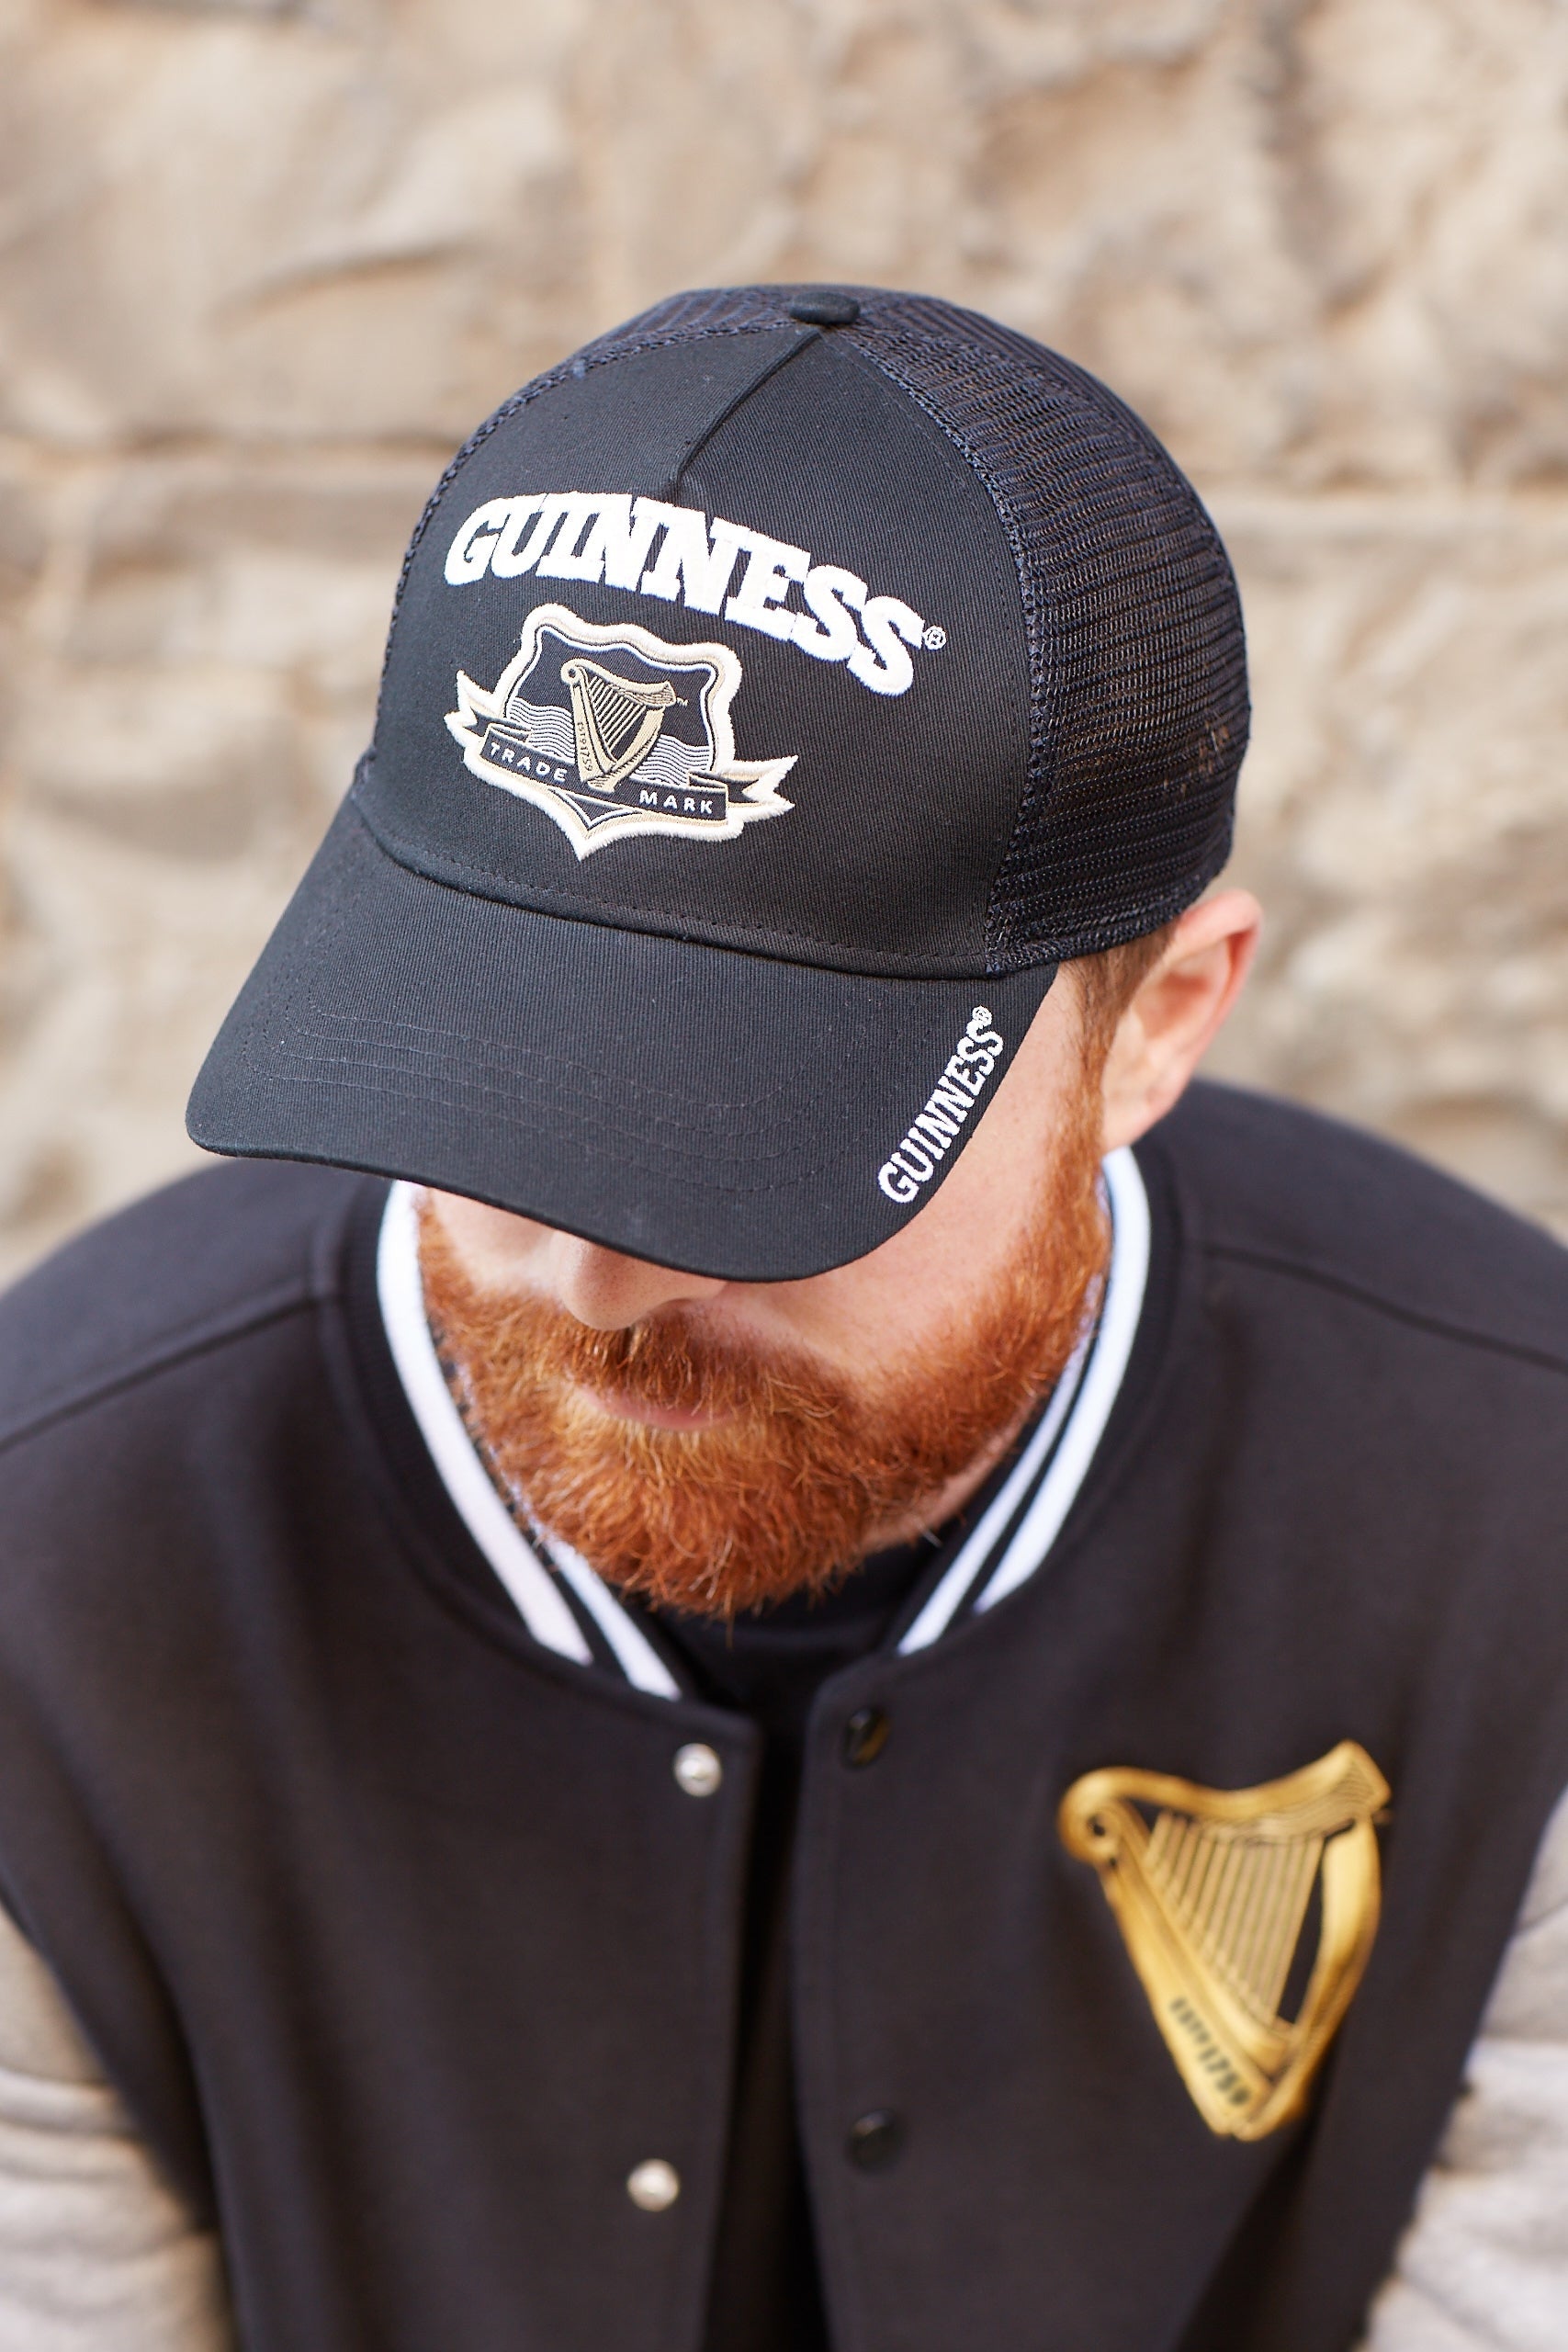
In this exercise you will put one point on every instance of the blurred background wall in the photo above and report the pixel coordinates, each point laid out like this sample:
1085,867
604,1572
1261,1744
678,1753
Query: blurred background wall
262,265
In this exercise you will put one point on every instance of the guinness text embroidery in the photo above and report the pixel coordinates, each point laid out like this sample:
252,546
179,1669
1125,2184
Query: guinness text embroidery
568,535
613,732
1212,1889
951,1101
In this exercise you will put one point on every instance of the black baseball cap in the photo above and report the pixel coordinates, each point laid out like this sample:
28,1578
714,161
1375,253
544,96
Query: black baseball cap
777,693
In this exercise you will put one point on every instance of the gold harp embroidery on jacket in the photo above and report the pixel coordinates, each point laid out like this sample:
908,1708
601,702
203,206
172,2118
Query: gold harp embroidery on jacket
1212,1888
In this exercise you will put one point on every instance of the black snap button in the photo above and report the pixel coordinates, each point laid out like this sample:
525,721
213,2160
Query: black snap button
824,309
865,1736
876,2139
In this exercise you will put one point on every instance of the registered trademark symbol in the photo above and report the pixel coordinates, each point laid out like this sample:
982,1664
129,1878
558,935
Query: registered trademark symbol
935,639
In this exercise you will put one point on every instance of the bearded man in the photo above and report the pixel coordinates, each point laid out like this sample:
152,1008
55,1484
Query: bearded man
794,1660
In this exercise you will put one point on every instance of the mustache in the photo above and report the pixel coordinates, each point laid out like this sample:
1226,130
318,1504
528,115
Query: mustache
665,1362
669,1363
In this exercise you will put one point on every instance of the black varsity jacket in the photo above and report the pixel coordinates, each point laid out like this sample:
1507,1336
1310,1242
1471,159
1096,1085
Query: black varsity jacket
365,1850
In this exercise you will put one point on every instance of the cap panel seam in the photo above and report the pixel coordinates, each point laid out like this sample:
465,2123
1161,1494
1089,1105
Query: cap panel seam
594,355
1003,830
393,1080
1032,591
505,1059
871,964
672,490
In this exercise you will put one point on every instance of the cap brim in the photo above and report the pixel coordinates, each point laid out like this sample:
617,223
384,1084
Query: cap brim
725,1114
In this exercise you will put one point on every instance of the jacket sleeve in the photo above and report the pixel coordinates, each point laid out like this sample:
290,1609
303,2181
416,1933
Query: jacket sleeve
1483,2265
97,2252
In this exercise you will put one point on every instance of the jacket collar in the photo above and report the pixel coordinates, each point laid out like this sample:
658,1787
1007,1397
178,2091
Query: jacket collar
569,1610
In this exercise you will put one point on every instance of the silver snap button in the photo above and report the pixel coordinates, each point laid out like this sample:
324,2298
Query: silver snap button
697,1769
653,2185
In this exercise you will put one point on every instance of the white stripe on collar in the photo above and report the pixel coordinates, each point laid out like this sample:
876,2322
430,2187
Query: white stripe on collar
533,1590
1069,1430
1062,1447
633,1653
1125,1288
464,1476
942,1605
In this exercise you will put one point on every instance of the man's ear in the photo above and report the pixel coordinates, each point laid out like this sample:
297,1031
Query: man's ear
1177,1011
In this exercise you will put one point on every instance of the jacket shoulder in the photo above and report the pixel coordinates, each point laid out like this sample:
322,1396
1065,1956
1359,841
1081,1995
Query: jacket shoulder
199,1262
1289,1188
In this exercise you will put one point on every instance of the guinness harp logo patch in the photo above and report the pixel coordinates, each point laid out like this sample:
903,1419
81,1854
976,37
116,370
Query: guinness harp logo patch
612,733
1249,1916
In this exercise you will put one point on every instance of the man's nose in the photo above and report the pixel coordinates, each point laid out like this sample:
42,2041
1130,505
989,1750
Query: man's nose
607,1291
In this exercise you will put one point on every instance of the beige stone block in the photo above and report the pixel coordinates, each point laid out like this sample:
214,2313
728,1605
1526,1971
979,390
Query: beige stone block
191,766
1133,220
23,540
267,225
128,957
1426,166
1405,815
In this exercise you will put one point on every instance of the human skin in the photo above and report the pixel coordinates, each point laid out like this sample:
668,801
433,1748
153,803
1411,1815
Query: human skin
891,1308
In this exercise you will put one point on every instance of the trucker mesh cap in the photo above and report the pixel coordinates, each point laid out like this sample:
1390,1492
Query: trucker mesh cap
777,693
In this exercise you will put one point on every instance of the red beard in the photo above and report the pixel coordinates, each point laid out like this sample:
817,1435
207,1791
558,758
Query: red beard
789,1490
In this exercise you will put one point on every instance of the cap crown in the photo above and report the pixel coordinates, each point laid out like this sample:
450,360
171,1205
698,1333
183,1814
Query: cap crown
897,645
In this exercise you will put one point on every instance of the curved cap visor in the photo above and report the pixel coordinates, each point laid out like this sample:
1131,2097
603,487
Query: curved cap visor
721,1113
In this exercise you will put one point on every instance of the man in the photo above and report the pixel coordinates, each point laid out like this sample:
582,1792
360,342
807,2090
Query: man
827,1683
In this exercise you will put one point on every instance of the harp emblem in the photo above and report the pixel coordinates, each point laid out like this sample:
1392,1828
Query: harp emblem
613,732
614,720
1217,1893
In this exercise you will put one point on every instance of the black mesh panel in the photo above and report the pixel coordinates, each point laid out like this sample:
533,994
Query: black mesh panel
1136,655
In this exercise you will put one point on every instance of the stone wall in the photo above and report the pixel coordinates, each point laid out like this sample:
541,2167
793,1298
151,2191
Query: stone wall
262,265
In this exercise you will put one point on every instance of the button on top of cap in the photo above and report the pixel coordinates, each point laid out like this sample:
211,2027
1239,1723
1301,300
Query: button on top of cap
824,309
